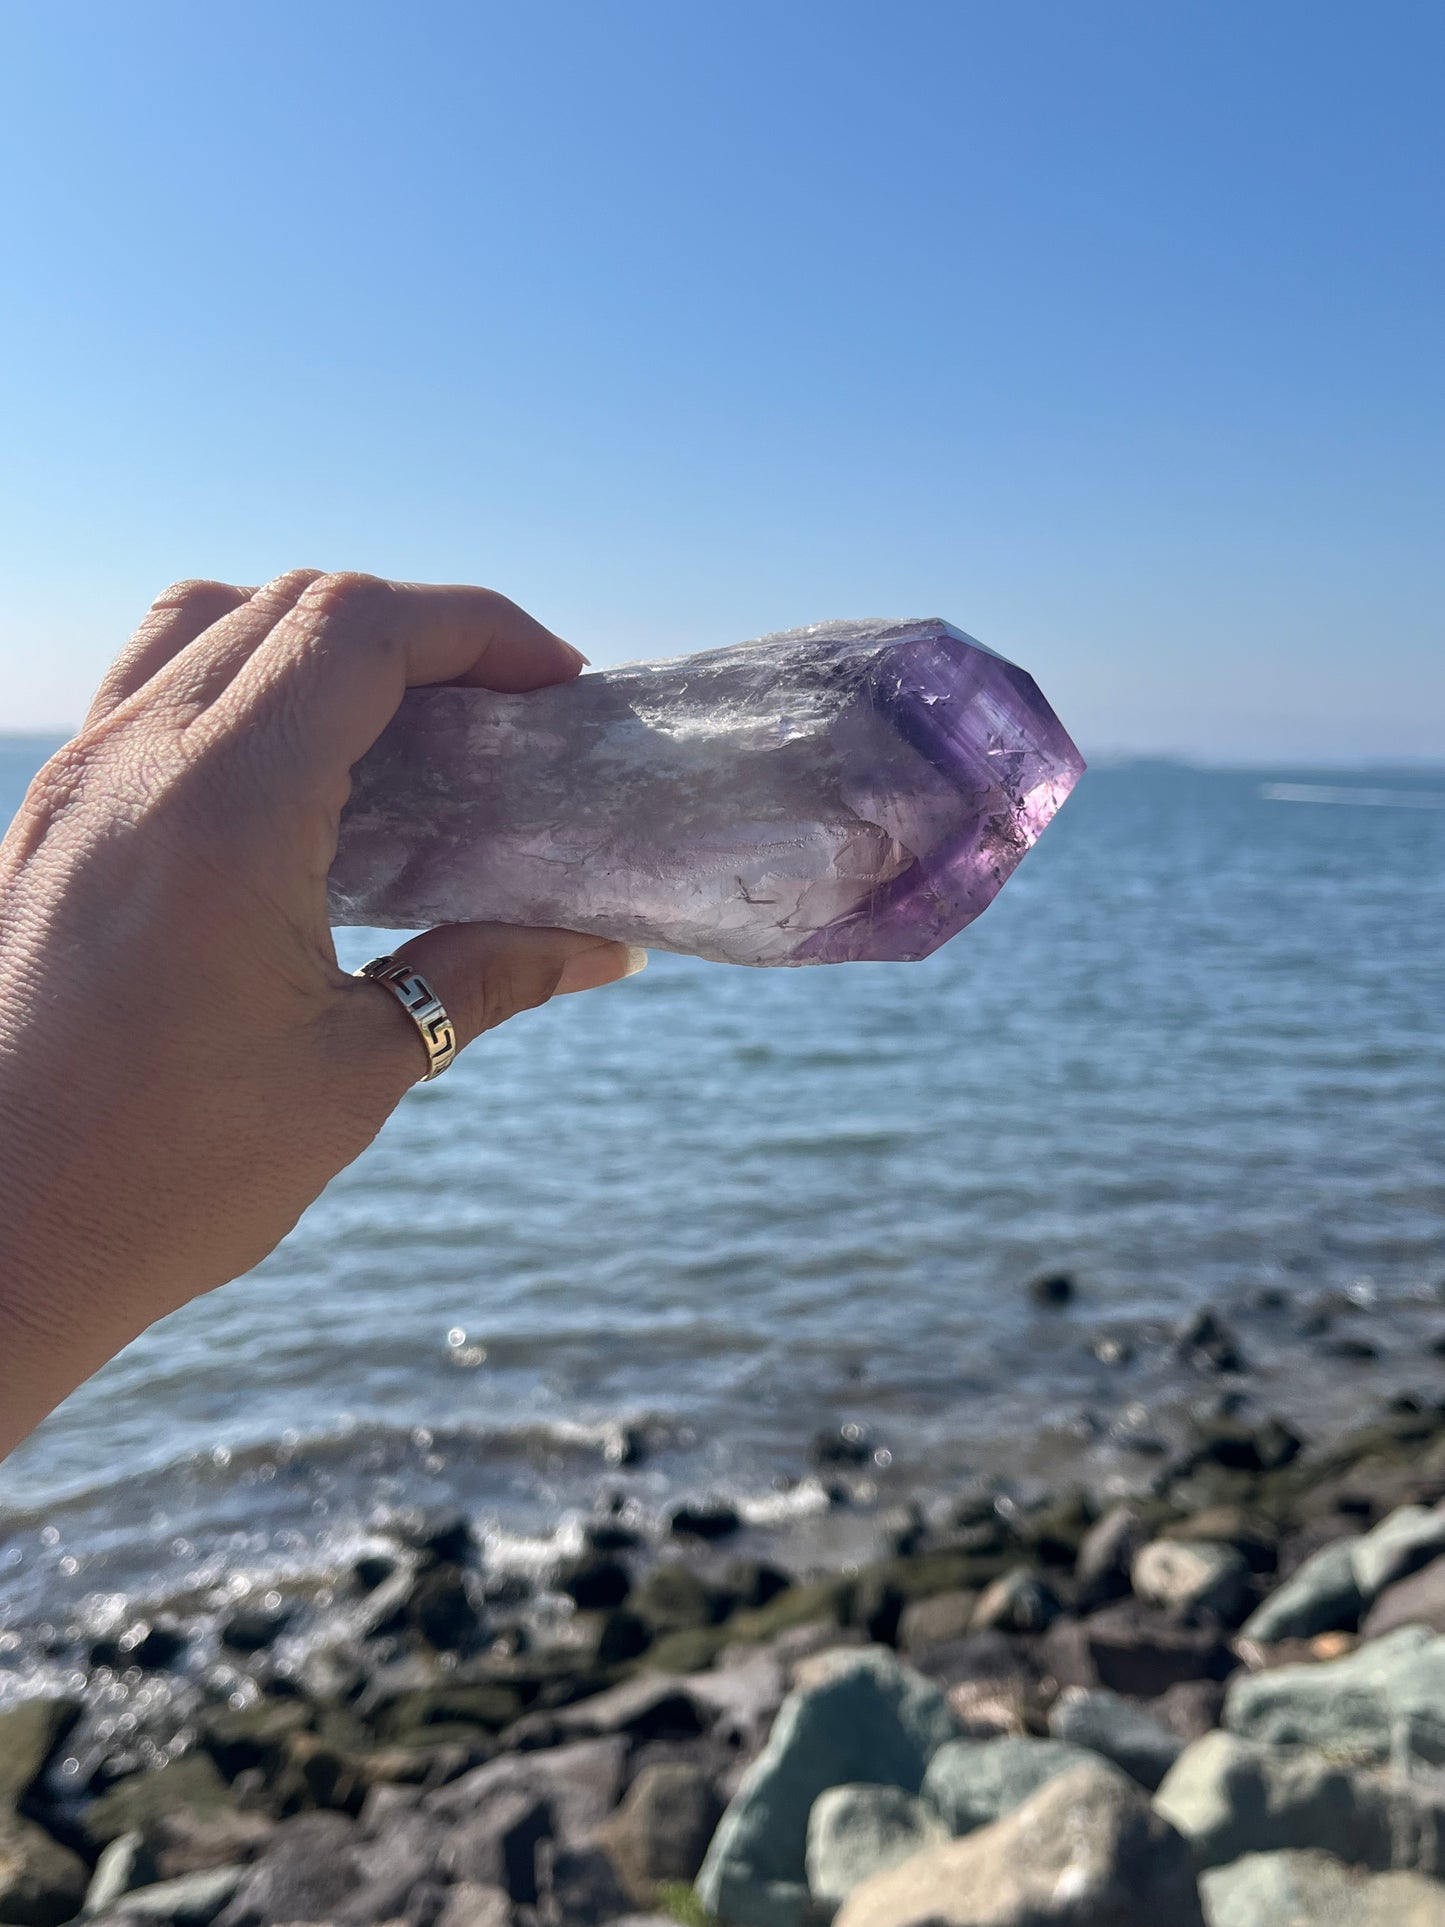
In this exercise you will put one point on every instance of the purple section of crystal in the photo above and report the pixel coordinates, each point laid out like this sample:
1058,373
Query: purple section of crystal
850,791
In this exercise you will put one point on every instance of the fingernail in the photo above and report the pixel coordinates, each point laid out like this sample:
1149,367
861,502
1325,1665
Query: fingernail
608,963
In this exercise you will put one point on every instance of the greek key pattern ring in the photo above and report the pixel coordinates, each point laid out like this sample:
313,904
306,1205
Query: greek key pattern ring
421,1003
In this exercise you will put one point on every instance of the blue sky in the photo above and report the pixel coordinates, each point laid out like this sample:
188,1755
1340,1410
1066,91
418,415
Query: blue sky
1110,331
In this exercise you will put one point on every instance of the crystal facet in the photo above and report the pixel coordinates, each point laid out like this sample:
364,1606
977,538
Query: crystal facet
854,790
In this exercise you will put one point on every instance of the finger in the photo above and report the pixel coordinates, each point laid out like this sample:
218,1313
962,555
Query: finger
173,622
329,677
485,973
197,675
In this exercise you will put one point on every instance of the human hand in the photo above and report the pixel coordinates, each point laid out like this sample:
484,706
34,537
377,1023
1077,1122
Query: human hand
183,1064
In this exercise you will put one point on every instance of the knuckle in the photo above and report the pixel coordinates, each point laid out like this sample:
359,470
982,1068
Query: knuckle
290,587
196,593
345,591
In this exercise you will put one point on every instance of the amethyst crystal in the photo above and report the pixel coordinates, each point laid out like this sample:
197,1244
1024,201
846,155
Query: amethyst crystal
853,790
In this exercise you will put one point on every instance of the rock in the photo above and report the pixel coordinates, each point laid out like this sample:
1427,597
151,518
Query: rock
308,1872
1416,1601
653,1706
258,1735
1018,1602
41,1882
440,1609
874,1719
673,1599
147,1801
188,1840
848,1445
857,1831
1410,1538
1190,1709
1132,1653
1118,1731
1232,1525
124,1864
1238,1447
436,1533
1348,1705
29,1734
194,1900
1085,1851
1322,1597
972,1783
935,1622
1106,1554
662,1829
150,1645
1193,1578
470,1905
1204,1341
1054,1289
251,1629
496,1844
995,1708
580,1784
594,1583
753,1583
1230,1796
1317,1890
578,1886
711,1519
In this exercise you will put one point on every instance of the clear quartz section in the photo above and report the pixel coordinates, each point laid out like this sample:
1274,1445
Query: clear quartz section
849,791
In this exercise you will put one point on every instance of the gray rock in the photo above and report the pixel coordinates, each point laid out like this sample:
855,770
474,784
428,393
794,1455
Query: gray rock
872,1718
580,1784
1085,1851
1349,1705
395,1868
1117,1730
41,1882
307,1873
1018,1602
936,1621
1231,1797
29,1734
470,1905
578,1887
1106,1554
1193,1576
1131,1650
1322,1597
193,1900
1416,1601
971,1783
125,1863
496,1845
1410,1538
147,1802
662,1830
857,1831
1316,1890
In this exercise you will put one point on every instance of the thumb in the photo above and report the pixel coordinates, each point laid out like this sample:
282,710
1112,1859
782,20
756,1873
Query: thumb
485,973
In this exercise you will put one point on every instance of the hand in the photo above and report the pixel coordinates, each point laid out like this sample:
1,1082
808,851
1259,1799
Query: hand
183,1065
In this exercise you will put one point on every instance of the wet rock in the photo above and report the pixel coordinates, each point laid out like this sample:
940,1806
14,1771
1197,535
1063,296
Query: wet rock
29,1734
1238,1447
873,1719
1053,1290
1317,1890
662,1829
152,1645
855,1832
753,1583
1416,1601
972,1783
672,1599
371,1569
308,1873
1117,1730
1130,1652
1085,1851
1193,1578
440,1609
194,1900
145,1801
258,1735
1409,1538
709,1519
251,1629
470,1905
440,1534
936,1621
1322,1597
1347,1706
41,1882
1230,1796
1204,1341
848,1445
1018,1602
593,1582
1106,1554
1350,1350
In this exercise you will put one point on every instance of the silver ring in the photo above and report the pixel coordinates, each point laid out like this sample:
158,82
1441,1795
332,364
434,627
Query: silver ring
421,1003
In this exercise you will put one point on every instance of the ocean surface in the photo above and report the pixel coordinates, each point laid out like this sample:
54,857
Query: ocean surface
653,1240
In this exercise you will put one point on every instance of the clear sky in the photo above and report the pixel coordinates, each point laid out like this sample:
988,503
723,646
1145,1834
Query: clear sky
1112,331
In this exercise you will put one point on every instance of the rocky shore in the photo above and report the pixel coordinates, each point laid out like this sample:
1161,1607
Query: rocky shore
1221,1700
